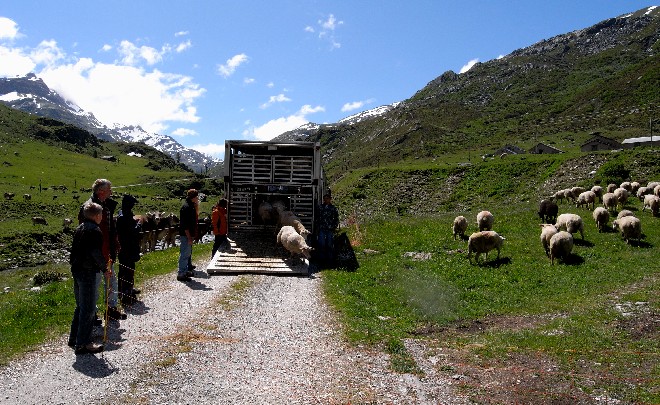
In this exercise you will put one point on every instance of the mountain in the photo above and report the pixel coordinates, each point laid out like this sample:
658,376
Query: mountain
604,78
32,95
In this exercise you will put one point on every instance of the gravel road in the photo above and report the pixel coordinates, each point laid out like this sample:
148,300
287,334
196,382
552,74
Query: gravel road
224,339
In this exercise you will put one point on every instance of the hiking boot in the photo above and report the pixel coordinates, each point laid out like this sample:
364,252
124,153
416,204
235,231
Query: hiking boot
190,273
116,314
136,291
185,278
89,348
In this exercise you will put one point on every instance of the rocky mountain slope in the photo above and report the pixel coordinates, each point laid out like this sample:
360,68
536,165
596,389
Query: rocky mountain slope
32,95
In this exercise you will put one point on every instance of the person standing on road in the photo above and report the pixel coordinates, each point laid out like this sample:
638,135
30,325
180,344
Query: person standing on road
328,222
87,261
219,222
101,192
187,232
128,231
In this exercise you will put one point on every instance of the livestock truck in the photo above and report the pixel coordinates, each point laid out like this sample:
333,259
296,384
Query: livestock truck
257,172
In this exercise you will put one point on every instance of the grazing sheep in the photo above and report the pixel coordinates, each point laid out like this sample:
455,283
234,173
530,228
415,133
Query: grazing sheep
459,226
656,190
558,196
561,245
575,192
39,221
485,221
598,191
642,191
567,194
288,218
627,185
587,197
609,201
484,242
634,186
601,216
548,211
611,188
621,195
630,227
652,202
653,184
571,223
293,242
625,213
547,231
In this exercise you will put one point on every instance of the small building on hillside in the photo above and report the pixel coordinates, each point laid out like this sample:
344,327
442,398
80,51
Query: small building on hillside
642,141
542,148
109,158
509,150
598,142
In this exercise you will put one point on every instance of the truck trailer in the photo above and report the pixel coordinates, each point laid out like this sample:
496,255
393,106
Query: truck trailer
285,173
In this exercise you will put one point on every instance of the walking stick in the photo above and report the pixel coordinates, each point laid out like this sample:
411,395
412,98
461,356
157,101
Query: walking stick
107,294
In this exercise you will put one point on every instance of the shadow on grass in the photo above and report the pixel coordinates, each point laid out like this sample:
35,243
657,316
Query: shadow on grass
640,244
572,260
496,263
583,243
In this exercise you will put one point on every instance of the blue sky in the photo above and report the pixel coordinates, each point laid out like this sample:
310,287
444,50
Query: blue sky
206,71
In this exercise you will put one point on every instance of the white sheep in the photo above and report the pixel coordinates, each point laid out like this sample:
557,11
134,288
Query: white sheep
485,221
656,190
559,196
630,227
571,223
626,185
598,191
575,192
561,245
653,184
611,187
567,194
621,195
484,242
625,213
653,203
459,226
634,186
610,201
293,242
642,191
601,216
547,231
288,218
587,197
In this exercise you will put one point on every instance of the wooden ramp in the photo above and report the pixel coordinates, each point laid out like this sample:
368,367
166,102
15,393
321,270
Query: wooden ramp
256,252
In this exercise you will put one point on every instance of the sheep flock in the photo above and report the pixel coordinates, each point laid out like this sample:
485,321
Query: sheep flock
559,230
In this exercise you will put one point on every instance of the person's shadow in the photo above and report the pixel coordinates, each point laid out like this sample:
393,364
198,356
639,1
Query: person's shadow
93,366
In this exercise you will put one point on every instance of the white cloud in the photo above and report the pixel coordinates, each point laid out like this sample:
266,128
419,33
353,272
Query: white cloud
8,29
183,46
15,62
47,53
133,55
280,125
180,33
309,29
249,80
355,105
232,64
183,132
327,30
211,149
469,65
331,23
280,98
270,85
106,48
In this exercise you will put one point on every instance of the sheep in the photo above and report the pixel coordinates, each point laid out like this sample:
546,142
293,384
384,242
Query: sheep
66,223
652,202
609,201
39,221
586,197
627,185
265,212
27,197
485,221
598,191
621,195
634,186
630,227
288,218
484,242
656,190
548,211
547,231
625,213
459,226
642,191
653,184
567,194
571,223
561,245
601,216
9,196
558,196
293,242
611,187
575,192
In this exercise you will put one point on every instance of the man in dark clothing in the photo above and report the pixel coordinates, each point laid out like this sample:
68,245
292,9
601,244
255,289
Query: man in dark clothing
328,222
187,232
128,231
101,192
87,262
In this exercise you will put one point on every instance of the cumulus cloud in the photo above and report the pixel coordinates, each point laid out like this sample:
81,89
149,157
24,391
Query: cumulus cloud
280,125
326,30
355,105
469,65
15,62
232,64
183,46
134,55
212,149
249,80
106,48
183,132
280,98
8,29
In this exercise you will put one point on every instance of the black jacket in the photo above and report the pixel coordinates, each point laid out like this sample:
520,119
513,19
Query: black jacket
86,255
128,231
188,218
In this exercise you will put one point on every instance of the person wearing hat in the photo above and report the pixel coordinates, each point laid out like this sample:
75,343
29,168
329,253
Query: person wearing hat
187,232
129,230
